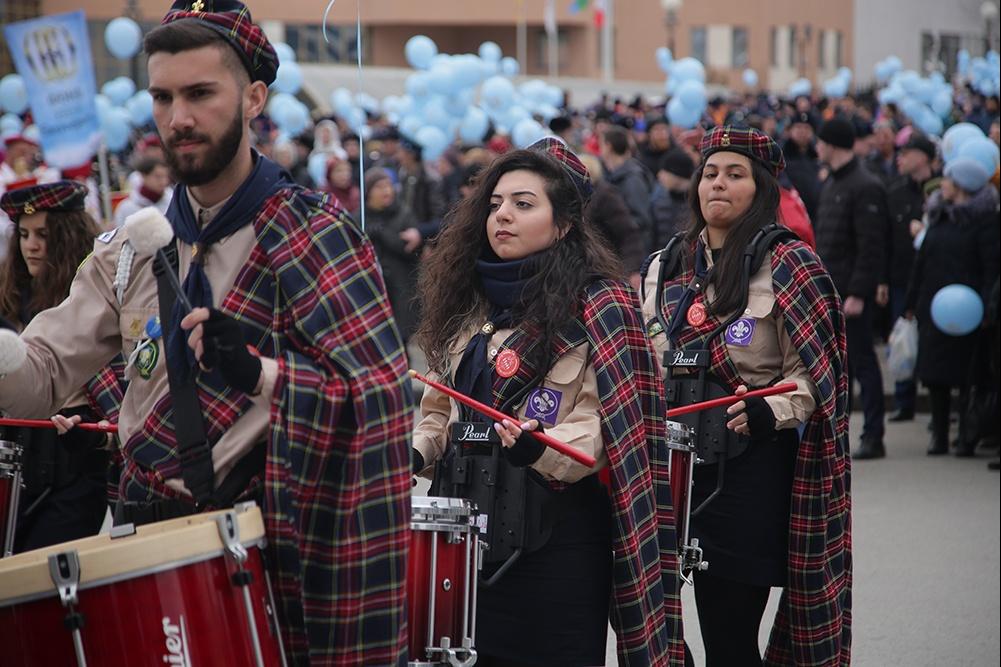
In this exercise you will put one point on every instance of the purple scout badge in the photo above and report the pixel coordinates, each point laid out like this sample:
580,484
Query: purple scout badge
544,404
740,332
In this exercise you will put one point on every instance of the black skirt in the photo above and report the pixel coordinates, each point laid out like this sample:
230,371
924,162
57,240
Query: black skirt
744,531
551,607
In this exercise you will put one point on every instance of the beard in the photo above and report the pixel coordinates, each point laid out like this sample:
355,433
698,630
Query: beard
219,154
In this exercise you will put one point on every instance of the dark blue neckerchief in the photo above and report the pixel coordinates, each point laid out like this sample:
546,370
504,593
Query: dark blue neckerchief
503,282
697,285
473,376
264,180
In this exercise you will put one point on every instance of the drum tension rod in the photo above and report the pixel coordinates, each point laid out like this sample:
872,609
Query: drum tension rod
64,568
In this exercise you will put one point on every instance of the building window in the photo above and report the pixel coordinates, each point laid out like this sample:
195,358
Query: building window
699,43
939,52
773,47
838,49
12,11
562,54
821,46
792,46
310,47
739,49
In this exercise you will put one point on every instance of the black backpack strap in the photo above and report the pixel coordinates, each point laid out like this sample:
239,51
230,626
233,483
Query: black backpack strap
763,241
669,256
189,426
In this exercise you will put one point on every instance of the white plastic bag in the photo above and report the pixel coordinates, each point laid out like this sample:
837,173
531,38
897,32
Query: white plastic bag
903,349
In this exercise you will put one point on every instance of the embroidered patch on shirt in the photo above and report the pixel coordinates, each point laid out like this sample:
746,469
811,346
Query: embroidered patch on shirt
741,332
146,360
544,404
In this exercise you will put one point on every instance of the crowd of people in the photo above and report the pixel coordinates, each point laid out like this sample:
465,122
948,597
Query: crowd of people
774,243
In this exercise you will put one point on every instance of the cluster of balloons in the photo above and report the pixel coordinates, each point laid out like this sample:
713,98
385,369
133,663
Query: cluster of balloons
839,84
800,87
927,101
289,113
686,88
13,94
120,108
966,143
982,72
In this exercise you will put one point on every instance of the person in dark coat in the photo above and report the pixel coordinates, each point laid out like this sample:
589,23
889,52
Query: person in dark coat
658,143
905,201
392,227
669,201
610,215
419,192
802,163
961,245
633,181
851,227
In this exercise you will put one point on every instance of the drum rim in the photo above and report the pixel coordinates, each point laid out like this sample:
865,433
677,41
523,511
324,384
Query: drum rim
126,576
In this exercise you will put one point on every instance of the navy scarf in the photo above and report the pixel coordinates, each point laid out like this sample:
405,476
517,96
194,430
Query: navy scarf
243,206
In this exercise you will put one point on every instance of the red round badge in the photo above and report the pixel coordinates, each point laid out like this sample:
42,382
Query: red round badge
696,314
508,363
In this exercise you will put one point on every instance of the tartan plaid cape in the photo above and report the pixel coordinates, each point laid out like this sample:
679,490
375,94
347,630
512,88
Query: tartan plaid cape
646,603
337,472
813,624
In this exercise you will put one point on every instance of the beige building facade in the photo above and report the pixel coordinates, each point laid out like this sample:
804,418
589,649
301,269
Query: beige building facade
780,39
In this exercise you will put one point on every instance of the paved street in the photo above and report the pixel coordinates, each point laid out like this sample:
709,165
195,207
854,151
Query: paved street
926,552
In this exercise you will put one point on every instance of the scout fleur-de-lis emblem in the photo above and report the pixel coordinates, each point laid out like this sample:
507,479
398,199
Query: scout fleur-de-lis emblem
725,141
198,6
740,329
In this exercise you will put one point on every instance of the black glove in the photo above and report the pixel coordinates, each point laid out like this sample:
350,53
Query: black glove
760,418
224,347
525,451
417,461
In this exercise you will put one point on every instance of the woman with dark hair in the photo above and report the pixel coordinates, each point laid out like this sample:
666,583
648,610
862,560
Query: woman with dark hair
539,326
64,496
743,304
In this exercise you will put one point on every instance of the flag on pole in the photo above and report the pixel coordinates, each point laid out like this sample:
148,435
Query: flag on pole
599,13
549,17
578,5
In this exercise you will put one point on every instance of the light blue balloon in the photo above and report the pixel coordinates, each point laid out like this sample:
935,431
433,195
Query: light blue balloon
554,96
367,102
955,136
442,79
416,85
140,108
419,50
497,93
957,310
285,53
910,81
342,101
509,66
891,95
473,126
355,118
893,64
910,106
664,59
458,103
468,71
13,94
800,87
681,115
925,90
836,87
295,119
688,69
846,74
435,113
533,90
882,71
750,78
410,125
10,123
116,129
928,121
982,150
527,132
119,90
692,94
433,142
963,62
490,52
942,104
288,79
123,36
316,166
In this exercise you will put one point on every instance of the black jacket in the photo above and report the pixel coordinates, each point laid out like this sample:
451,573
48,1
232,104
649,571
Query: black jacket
961,246
635,183
609,213
905,201
802,168
851,229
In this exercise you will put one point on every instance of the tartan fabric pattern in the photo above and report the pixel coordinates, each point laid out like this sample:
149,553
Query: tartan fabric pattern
58,196
646,602
337,473
232,20
571,164
105,393
755,144
813,625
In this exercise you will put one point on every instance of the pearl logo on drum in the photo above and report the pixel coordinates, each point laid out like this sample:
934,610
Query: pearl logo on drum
176,642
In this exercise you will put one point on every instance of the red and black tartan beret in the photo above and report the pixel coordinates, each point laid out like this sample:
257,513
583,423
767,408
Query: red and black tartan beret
232,20
571,164
58,196
755,144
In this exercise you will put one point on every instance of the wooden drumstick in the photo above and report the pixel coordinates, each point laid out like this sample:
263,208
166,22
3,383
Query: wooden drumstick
45,423
730,400
497,415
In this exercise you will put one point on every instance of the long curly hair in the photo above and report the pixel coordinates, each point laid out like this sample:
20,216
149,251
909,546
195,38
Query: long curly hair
726,275
69,240
451,296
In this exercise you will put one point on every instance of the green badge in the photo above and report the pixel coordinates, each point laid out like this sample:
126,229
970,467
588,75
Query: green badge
146,361
654,328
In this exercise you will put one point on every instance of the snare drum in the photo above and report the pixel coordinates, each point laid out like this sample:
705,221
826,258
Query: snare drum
10,494
441,581
190,591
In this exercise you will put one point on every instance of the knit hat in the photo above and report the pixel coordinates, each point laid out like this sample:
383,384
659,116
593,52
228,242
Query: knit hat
373,175
804,117
967,173
678,163
570,163
755,144
58,196
920,142
838,132
232,20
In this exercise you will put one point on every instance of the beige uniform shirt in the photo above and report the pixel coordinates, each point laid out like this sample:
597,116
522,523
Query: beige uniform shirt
578,422
68,344
769,354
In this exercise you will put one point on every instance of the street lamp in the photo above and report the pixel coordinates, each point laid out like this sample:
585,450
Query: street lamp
671,8
989,12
